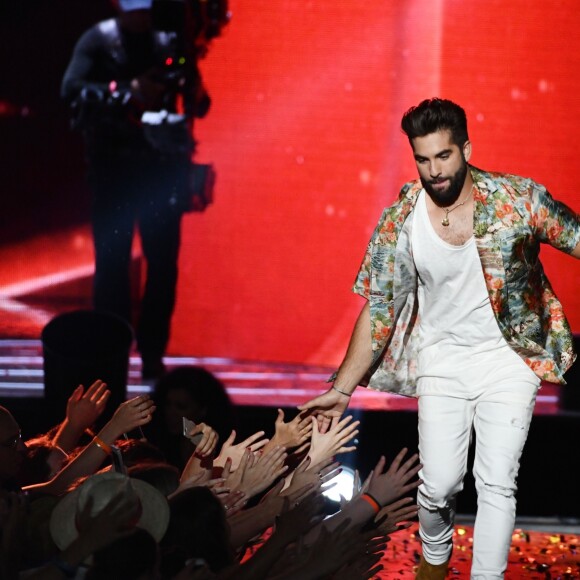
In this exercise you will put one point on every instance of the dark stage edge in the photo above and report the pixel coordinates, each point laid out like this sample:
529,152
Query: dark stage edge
548,490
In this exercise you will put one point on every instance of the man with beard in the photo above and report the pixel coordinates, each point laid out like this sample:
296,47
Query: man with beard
460,314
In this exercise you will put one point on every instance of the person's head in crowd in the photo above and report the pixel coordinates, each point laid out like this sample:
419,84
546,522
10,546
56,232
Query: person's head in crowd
162,476
195,393
197,530
132,557
75,511
12,449
43,461
137,451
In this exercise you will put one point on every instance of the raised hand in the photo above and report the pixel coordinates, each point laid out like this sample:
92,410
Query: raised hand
257,473
200,480
365,563
85,407
130,415
216,486
274,502
309,561
208,442
331,550
235,452
397,480
333,441
357,489
199,466
395,516
298,518
82,410
326,407
292,434
233,502
314,475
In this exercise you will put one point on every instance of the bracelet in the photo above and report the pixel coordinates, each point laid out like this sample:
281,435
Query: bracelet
67,569
372,501
100,443
342,392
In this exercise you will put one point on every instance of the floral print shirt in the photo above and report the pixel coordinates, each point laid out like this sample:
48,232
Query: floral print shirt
512,216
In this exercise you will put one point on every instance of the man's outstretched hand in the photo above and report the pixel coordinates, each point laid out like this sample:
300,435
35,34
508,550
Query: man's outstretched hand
325,407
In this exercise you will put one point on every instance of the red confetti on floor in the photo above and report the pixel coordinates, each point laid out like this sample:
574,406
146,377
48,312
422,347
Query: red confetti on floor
533,555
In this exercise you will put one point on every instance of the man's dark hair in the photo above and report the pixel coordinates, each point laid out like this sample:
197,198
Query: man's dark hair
432,115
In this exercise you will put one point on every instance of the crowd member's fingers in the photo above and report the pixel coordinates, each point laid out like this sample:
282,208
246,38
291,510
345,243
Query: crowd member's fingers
133,413
263,471
235,452
299,518
398,480
233,502
300,494
334,440
396,516
85,407
98,393
326,406
208,442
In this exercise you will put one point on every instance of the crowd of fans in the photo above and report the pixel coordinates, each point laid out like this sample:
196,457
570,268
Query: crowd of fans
143,499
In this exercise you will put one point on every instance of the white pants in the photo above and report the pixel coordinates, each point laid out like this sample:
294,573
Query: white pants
498,406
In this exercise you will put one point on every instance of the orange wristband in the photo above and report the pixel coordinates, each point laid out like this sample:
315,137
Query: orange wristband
100,443
372,502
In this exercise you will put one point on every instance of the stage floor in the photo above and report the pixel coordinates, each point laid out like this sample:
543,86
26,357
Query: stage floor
534,554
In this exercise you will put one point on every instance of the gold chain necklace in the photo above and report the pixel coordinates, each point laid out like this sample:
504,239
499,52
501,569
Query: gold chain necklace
445,220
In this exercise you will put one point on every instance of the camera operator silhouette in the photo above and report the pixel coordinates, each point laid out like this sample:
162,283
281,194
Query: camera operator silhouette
134,87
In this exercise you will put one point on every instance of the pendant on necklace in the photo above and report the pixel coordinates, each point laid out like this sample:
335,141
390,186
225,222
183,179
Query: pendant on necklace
445,220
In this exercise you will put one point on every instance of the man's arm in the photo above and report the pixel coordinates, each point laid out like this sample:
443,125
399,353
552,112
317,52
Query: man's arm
129,415
83,78
554,222
79,70
359,355
357,361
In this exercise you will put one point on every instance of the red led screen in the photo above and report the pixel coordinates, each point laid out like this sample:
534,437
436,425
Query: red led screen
304,133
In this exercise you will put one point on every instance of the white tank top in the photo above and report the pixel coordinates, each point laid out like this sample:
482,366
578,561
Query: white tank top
457,328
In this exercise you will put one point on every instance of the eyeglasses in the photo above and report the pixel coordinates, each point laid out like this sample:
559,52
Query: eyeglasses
12,443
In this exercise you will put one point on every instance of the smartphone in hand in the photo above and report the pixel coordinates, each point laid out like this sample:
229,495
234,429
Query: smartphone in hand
188,426
117,458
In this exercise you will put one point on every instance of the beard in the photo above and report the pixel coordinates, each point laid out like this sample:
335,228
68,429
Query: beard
448,196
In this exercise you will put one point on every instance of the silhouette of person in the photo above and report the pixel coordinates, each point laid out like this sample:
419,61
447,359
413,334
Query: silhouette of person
134,90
